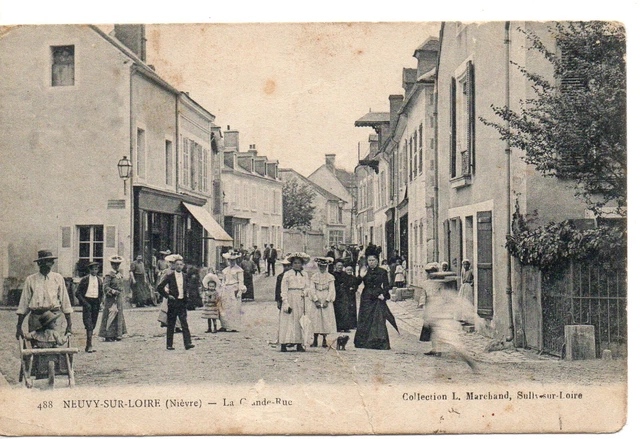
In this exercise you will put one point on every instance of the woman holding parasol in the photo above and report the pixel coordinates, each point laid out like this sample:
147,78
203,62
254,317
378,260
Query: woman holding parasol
295,324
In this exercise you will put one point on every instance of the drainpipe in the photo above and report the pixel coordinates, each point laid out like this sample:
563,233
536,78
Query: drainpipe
132,139
507,150
436,197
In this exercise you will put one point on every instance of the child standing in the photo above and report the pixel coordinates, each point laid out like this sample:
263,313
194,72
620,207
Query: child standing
211,310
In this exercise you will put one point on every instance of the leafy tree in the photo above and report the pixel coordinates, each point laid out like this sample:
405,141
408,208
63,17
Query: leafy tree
575,127
297,205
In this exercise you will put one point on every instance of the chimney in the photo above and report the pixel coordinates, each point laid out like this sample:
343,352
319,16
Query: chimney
231,140
427,56
133,36
330,161
395,102
409,77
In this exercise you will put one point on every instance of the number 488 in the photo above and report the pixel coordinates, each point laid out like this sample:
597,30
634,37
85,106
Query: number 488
45,405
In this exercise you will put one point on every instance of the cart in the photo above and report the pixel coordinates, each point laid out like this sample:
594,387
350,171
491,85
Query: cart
45,362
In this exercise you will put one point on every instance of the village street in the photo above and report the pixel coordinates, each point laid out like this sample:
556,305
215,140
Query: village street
247,356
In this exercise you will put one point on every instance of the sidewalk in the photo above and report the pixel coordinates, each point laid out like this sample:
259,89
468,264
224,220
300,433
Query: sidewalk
409,319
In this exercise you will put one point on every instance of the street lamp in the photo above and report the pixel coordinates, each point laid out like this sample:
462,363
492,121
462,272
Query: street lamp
124,170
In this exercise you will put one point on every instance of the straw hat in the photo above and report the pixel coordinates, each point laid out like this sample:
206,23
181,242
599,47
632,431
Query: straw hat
324,261
44,255
232,255
116,259
46,318
299,255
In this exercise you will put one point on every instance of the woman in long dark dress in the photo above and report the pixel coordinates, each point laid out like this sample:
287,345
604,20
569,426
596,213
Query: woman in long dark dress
373,315
345,303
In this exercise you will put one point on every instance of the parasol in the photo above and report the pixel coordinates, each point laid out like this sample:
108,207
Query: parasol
305,324
113,313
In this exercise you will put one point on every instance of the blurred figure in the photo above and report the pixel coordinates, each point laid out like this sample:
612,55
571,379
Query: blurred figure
444,330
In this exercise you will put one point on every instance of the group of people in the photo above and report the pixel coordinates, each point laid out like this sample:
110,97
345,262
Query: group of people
309,307
325,303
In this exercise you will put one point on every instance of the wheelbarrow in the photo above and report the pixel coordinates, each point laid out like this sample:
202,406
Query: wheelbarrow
40,360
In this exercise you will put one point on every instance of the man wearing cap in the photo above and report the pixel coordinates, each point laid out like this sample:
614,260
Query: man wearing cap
177,304
89,295
43,291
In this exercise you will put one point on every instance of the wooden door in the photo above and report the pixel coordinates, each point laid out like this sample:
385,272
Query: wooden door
484,276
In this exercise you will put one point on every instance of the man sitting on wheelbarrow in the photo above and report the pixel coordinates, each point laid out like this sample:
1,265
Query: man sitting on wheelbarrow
47,336
43,292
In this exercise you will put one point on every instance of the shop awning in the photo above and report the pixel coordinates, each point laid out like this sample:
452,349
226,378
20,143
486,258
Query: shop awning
205,219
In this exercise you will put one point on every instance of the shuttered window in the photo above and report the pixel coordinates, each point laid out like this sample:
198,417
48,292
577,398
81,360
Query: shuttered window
453,150
470,118
485,264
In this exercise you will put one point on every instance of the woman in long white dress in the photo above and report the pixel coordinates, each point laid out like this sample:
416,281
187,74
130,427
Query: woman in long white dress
295,289
231,296
322,294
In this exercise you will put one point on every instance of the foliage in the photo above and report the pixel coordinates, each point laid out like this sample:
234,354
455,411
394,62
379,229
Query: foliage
555,244
575,127
297,205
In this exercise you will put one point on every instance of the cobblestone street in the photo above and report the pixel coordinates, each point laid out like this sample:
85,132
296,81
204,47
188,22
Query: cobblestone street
247,356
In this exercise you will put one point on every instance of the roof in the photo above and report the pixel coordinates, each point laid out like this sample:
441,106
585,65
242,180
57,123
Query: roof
429,76
348,179
322,191
430,44
373,120
144,69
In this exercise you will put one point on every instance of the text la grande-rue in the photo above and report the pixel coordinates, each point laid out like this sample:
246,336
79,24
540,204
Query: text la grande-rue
489,396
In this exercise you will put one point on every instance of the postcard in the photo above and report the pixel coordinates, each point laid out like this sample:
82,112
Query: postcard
313,228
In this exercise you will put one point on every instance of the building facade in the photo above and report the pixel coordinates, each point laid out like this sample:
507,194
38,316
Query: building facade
252,191
342,183
479,177
73,102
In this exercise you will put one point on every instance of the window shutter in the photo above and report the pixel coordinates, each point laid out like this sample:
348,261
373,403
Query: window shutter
471,123
110,237
65,251
217,202
452,122
484,275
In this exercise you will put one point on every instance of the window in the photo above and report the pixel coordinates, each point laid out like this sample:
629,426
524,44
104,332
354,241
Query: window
168,160
275,202
62,66
90,246
336,237
420,150
254,197
410,158
462,122
141,152
205,170
185,162
415,154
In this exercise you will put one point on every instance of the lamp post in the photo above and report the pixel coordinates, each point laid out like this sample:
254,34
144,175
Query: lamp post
124,170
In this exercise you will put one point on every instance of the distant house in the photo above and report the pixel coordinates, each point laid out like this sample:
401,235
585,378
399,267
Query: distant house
342,183
252,188
73,102
329,224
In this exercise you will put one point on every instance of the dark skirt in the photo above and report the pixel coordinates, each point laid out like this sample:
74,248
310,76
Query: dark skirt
248,282
372,323
140,292
345,309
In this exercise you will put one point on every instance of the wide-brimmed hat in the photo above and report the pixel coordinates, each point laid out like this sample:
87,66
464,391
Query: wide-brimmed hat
305,258
46,318
93,264
44,255
232,255
116,259
166,252
324,261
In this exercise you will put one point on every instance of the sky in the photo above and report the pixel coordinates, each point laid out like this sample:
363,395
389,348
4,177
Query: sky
293,90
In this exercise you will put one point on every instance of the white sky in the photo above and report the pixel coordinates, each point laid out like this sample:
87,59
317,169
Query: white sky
294,90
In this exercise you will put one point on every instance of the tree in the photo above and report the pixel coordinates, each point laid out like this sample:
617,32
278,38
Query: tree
575,127
297,205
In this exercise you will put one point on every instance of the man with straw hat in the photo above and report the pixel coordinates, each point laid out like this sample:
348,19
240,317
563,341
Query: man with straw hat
43,291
